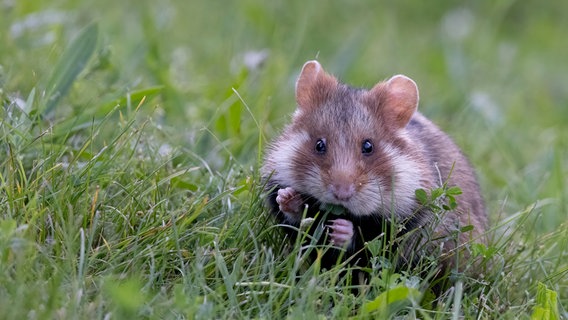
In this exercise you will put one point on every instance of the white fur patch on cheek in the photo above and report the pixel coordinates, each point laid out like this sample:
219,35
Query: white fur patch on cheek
312,185
371,199
283,153
390,150
374,197
407,174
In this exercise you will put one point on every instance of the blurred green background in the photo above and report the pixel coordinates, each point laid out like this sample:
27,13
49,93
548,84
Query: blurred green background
492,74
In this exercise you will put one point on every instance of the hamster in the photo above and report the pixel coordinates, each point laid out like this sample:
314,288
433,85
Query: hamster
367,152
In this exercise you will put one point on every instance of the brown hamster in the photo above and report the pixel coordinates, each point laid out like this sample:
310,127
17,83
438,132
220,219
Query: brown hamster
368,151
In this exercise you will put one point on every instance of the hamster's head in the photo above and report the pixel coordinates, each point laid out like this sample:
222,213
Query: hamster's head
348,146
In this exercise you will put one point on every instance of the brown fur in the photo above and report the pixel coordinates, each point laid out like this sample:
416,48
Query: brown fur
409,152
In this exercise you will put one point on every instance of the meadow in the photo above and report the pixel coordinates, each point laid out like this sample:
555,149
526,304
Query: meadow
132,132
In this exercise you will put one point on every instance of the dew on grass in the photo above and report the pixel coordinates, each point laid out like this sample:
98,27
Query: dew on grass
254,59
39,23
458,24
483,103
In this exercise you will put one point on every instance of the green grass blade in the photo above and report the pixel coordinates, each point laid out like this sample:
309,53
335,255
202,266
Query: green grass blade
72,62
547,306
133,98
385,301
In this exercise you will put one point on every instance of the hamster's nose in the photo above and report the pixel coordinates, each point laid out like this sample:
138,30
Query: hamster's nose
342,192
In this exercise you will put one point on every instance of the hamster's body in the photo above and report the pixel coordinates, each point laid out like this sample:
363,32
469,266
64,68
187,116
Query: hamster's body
367,151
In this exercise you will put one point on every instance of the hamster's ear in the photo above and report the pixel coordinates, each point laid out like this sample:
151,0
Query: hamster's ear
397,99
314,85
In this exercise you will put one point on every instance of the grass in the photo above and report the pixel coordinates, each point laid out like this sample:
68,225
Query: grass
132,134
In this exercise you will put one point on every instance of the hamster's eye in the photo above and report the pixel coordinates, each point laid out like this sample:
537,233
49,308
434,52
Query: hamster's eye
320,146
367,147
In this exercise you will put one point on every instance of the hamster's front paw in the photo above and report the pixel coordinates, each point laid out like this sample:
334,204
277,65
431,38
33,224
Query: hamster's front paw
341,232
290,202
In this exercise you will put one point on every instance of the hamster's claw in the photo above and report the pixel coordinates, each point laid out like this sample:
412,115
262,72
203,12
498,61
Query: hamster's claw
289,202
341,232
